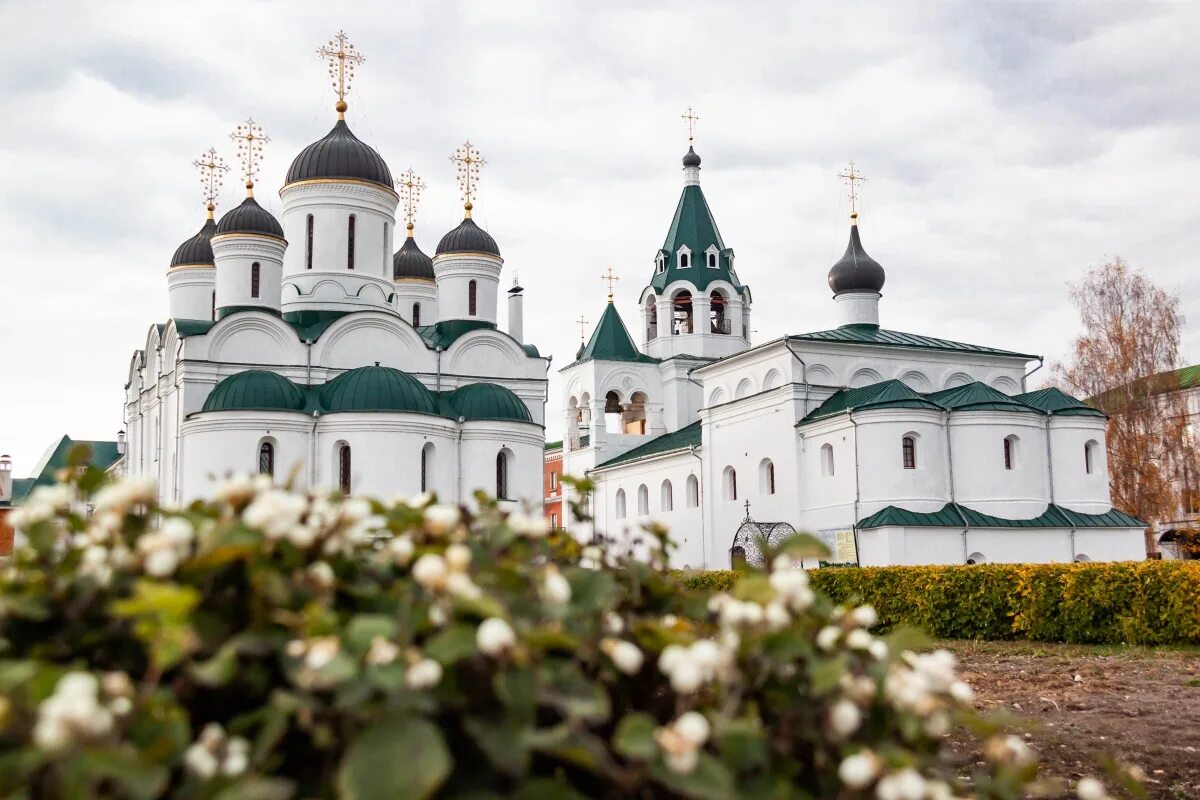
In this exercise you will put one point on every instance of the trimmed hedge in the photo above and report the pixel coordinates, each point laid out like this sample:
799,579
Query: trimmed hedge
1134,602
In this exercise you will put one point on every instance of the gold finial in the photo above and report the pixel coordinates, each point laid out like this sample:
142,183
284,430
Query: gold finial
250,140
467,161
852,177
342,58
612,278
212,173
409,186
690,117
582,323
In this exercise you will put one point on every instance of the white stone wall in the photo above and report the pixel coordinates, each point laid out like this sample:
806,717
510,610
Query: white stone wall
190,292
900,545
454,272
235,256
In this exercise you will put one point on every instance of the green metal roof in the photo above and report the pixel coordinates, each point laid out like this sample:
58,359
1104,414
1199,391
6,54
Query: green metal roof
978,396
443,334
101,455
1054,401
873,334
611,342
955,515
478,401
255,390
693,225
888,394
682,439
554,445
376,389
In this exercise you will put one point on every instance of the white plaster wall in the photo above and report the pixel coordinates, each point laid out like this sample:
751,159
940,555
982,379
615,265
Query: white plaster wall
190,292
1073,486
525,442
410,291
883,480
980,479
234,255
828,500
899,545
331,284
223,443
454,272
385,453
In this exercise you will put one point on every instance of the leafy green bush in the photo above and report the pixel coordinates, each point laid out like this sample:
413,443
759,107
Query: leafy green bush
1134,602
273,644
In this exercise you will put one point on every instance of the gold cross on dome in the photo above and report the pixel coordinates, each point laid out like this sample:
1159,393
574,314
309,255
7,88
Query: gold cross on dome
611,278
690,117
212,173
582,323
342,58
409,186
852,177
250,139
467,161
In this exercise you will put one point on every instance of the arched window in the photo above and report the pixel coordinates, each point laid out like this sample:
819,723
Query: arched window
692,490
827,460
684,260
1089,456
681,313
718,322
712,260
660,264
651,318
387,246
266,458
213,310
254,276
667,498
416,315
308,242
730,483
643,500
766,476
502,475
427,467
350,243
1010,452
620,504
472,291
344,468
908,450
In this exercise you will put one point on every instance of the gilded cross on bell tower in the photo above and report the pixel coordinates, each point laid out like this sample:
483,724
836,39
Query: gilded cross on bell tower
409,186
250,139
212,170
467,161
852,177
690,118
342,58
611,278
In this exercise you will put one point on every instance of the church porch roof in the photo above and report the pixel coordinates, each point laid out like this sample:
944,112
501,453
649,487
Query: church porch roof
683,439
956,515
874,335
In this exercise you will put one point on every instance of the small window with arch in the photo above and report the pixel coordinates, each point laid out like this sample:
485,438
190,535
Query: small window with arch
254,278
266,459
416,315
908,449
712,260
350,243
1010,452
472,298
344,469
308,242
501,475
1089,456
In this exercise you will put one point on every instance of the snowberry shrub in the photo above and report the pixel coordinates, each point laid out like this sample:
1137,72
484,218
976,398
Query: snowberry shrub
275,644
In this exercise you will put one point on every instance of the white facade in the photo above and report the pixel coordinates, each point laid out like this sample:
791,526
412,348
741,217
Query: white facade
911,449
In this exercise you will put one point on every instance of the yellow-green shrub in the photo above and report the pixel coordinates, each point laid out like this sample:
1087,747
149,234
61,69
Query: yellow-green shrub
1138,602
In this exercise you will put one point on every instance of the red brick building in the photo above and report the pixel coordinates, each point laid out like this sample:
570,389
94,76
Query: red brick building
552,484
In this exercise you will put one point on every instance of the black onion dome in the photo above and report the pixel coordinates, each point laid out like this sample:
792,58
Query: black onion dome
250,217
198,249
340,155
691,159
467,238
409,262
856,271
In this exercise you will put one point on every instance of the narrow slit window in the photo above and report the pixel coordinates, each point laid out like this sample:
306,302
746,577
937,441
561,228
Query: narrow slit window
501,476
308,242
909,449
254,279
416,315
344,469
350,243
472,293
266,459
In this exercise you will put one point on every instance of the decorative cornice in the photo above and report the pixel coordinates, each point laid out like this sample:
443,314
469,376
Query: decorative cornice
341,182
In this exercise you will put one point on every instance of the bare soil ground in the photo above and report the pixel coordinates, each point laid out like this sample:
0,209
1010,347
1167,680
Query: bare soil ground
1138,705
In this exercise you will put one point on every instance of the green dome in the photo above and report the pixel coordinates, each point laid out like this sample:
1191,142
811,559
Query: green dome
376,389
255,390
488,401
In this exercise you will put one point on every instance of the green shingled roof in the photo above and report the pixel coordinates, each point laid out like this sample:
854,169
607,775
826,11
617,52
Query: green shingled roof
1057,402
888,394
955,515
611,342
255,390
693,225
978,396
681,439
490,401
377,389
102,455
873,334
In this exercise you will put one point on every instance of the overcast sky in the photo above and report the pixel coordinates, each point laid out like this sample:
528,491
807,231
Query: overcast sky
1007,148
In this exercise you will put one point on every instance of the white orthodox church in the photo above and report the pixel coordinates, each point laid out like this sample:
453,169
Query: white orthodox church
896,448
311,348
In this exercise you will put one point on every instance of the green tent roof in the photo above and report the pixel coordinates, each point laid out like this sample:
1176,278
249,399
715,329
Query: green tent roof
477,401
255,390
376,389
1057,402
978,396
955,515
873,334
611,342
682,439
101,455
693,225
888,394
